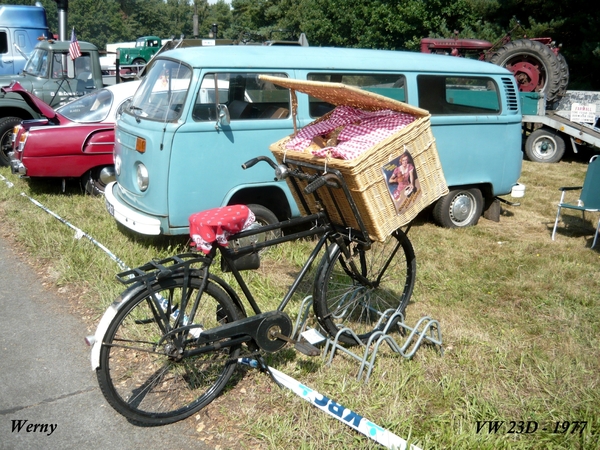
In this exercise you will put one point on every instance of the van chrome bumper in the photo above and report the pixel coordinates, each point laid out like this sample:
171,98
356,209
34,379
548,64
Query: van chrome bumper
134,220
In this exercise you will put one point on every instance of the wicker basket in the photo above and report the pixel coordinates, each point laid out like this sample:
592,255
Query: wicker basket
381,207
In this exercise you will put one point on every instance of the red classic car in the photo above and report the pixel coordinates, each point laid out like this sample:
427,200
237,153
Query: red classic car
73,141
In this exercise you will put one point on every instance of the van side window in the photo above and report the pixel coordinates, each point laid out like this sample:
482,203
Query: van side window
389,85
3,42
246,97
445,95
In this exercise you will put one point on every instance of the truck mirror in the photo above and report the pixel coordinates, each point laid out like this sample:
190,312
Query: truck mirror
70,68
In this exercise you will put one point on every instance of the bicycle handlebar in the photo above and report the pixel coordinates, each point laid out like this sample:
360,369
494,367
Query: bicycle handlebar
253,161
328,179
312,187
281,172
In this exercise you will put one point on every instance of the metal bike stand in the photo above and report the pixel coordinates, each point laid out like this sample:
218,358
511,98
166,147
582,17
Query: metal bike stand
302,318
426,329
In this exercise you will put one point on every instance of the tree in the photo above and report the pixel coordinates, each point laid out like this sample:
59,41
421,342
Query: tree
391,24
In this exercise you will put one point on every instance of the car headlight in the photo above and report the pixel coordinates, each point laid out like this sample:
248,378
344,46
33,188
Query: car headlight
118,165
142,177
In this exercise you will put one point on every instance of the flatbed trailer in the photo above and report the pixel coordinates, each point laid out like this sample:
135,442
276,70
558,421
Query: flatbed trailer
575,118
546,129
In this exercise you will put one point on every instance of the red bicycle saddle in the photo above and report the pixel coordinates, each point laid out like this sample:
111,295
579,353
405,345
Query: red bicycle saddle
218,224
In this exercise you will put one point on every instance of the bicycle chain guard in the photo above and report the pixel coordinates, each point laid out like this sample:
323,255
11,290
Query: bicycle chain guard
261,328
269,327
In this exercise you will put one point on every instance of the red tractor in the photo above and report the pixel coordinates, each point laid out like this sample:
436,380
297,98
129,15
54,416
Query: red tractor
536,63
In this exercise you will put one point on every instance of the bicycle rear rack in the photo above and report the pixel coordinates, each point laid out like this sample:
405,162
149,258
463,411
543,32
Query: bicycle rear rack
160,268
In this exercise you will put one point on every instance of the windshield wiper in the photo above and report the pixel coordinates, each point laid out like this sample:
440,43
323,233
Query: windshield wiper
136,115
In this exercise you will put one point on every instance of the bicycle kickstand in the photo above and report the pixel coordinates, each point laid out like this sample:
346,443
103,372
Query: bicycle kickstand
263,367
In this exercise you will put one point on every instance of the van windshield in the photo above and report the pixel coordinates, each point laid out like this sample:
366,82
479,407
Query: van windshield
162,94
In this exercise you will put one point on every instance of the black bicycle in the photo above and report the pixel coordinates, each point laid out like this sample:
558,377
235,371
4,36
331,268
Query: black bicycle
173,338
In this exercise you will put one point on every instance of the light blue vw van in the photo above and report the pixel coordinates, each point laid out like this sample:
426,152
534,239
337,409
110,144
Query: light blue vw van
200,113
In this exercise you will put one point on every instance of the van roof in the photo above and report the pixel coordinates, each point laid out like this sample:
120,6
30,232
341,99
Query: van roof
297,57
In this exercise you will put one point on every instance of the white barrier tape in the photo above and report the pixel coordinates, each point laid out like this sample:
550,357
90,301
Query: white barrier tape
341,413
8,183
79,233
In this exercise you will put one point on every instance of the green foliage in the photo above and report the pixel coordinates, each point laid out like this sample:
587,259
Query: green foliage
390,24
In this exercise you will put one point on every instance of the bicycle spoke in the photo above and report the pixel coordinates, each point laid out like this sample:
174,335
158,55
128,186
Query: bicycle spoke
146,373
344,299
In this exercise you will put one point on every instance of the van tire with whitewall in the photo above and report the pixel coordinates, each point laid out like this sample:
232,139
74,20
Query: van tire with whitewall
264,216
6,131
460,208
545,145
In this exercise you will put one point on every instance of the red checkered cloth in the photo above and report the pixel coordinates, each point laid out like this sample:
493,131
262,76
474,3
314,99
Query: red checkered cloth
362,130
218,224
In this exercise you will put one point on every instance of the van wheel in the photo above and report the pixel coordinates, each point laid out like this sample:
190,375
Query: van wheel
545,146
459,208
265,216
6,132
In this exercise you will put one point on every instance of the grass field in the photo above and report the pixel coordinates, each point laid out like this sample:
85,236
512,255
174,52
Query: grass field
519,315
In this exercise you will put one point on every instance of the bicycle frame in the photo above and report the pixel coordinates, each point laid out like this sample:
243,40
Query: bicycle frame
247,329
177,317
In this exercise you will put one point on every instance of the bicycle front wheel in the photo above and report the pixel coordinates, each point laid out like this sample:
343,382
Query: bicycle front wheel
142,372
342,299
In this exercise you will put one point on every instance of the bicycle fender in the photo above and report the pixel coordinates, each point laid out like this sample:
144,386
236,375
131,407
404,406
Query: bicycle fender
106,320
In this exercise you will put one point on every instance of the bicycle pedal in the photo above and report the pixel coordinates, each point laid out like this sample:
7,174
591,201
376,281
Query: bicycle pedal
303,347
307,348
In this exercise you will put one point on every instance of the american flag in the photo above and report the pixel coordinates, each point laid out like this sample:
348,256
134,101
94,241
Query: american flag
74,49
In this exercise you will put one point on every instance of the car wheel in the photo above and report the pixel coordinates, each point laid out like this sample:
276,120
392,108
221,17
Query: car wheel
459,208
95,180
6,133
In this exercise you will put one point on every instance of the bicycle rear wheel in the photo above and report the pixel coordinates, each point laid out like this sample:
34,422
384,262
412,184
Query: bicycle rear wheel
142,374
341,300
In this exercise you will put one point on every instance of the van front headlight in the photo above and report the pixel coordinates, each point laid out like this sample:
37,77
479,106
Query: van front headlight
142,177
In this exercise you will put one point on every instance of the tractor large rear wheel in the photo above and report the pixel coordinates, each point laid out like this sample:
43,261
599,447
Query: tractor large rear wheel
564,74
535,67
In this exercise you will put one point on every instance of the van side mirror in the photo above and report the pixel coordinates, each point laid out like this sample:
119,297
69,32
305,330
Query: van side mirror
223,117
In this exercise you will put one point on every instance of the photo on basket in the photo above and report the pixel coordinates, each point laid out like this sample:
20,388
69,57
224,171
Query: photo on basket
402,181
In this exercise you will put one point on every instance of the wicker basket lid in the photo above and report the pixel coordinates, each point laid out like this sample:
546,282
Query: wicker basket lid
343,94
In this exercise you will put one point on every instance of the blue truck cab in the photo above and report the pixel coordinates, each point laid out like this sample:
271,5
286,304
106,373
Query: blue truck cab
20,28
175,155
